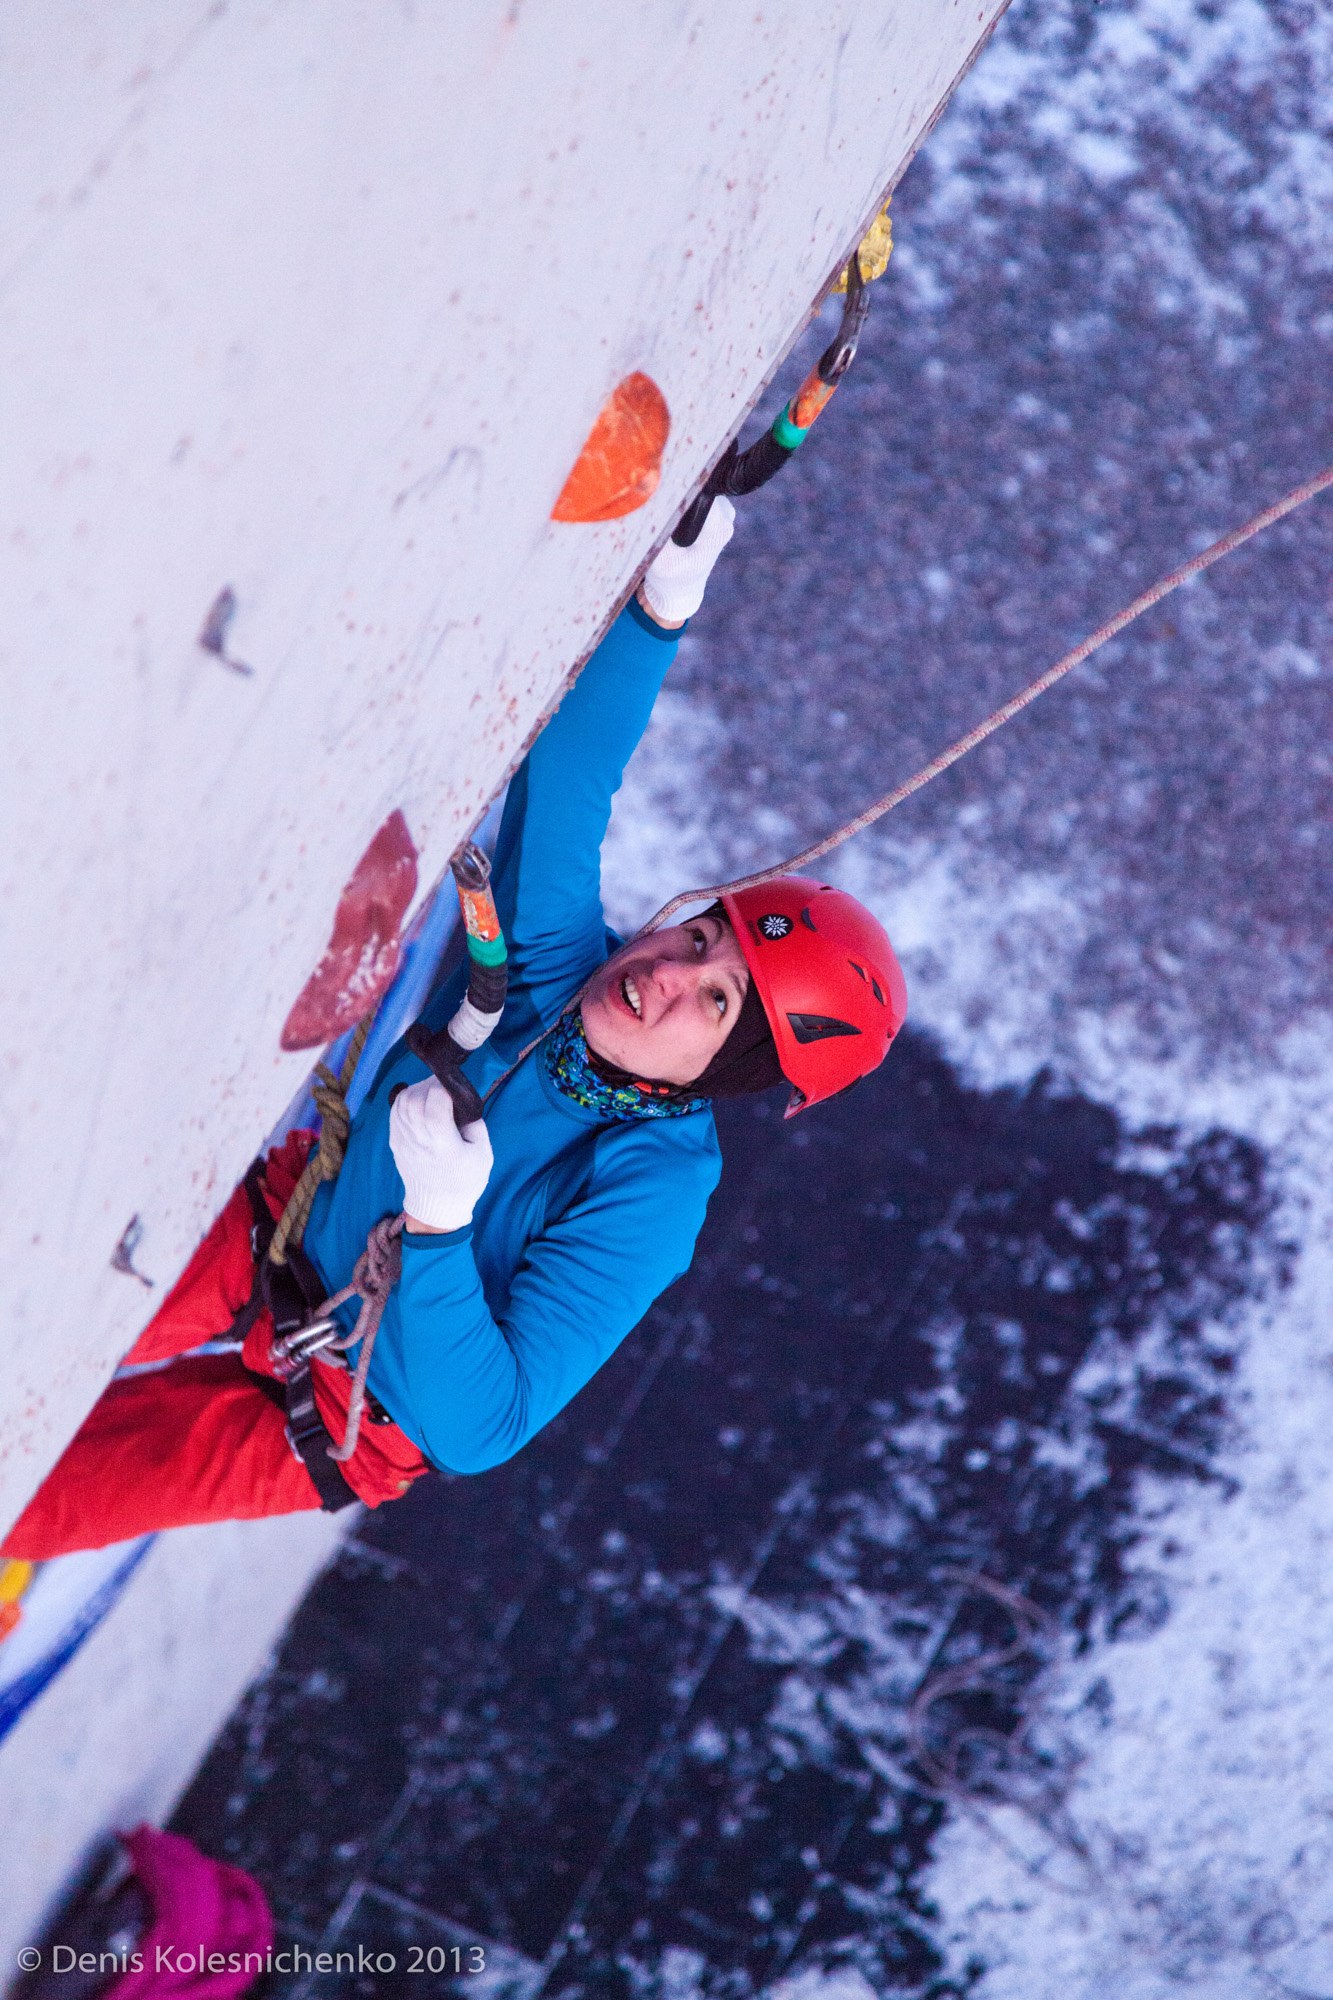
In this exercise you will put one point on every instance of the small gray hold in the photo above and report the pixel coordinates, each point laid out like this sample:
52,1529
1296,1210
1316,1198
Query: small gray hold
213,637
122,1257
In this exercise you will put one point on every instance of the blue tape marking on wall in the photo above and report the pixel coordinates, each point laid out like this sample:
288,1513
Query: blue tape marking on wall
20,1691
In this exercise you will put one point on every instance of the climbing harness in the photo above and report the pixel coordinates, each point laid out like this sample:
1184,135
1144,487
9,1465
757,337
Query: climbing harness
377,1271
293,1295
305,1329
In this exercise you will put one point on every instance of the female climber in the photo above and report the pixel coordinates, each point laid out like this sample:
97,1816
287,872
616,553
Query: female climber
534,1242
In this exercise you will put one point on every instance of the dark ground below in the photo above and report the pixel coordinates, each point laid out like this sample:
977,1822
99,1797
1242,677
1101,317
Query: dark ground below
632,1713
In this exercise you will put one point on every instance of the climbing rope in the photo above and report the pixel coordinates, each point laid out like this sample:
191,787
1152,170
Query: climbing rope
377,1271
330,1094
378,1268
1033,1629
1288,504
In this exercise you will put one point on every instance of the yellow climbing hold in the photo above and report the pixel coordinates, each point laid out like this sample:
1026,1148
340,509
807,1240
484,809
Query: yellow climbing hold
876,249
14,1580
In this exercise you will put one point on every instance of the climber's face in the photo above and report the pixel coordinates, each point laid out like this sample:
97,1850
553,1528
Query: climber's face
663,1006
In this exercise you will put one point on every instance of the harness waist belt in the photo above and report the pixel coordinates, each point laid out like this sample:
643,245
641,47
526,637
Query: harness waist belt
291,1291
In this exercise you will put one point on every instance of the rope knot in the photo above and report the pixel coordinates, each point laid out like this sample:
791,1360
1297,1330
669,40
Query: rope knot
380,1264
325,1162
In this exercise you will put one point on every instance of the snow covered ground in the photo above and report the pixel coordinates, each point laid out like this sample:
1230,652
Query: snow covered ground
1105,337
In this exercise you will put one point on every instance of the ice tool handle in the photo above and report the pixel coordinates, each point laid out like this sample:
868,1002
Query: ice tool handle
737,471
445,1051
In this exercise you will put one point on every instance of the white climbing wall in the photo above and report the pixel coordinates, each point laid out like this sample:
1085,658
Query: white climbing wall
319,302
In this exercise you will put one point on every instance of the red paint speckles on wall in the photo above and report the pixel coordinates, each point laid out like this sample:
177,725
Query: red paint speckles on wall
362,955
621,462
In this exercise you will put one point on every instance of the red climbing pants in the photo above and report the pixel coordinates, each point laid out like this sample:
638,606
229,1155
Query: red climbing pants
202,1439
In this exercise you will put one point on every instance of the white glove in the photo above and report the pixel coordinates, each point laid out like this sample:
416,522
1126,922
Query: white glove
673,587
444,1170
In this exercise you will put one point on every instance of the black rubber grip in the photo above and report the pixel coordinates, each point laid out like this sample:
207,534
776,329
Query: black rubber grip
443,1057
736,472
487,986
755,467
691,523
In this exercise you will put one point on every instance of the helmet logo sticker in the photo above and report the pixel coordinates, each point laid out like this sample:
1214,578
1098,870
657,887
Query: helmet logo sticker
819,1027
775,926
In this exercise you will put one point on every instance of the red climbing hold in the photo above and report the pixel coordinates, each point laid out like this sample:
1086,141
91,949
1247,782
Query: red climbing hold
621,462
362,955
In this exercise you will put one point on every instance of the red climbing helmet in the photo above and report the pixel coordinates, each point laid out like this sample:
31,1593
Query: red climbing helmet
832,989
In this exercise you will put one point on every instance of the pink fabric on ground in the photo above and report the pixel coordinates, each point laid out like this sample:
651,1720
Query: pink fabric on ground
207,1917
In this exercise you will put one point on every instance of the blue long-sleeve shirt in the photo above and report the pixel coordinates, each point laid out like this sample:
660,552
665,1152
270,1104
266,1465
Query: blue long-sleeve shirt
492,1329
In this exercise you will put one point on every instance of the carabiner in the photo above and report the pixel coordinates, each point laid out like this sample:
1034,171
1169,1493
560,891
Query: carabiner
839,355
291,1349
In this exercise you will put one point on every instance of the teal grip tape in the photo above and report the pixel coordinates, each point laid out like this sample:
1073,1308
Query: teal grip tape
788,434
488,951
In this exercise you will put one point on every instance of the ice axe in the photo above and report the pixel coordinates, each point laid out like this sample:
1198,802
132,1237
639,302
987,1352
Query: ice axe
445,1051
737,471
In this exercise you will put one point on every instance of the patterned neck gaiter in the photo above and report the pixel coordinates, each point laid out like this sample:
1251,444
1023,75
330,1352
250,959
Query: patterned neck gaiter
568,1062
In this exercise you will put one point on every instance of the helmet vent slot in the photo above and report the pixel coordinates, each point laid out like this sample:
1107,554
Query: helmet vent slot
819,1027
874,987
859,970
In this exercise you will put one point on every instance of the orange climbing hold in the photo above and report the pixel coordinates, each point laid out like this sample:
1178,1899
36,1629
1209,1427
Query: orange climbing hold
621,463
